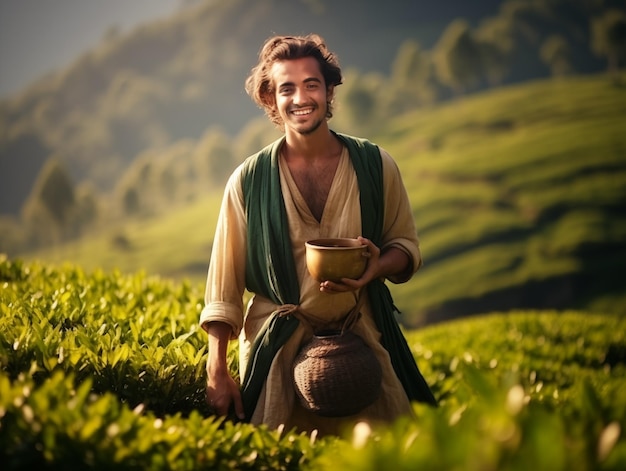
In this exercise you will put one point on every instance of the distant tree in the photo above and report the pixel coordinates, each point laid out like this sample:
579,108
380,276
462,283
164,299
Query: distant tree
131,203
525,16
409,64
457,57
175,175
493,61
168,182
609,38
135,190
87,206
555,52
145,171
412,81
359,101
495,42
54,191
213,157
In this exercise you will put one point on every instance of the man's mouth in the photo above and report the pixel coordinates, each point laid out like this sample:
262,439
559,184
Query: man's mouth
302,111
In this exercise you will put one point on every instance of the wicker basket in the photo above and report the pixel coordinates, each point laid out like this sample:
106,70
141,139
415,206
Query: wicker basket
336,374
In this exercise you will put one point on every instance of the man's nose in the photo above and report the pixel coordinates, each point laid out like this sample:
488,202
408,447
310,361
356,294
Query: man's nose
299,95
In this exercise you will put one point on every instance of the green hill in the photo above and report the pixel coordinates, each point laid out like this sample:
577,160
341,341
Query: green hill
174,78
519,196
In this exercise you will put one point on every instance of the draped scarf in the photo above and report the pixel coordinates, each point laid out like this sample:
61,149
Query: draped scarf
270,266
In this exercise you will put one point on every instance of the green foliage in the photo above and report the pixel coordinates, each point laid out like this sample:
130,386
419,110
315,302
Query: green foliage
108,328
60,425
103,370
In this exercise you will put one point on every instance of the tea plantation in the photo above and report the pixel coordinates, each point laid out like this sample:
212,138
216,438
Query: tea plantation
518,193
105,370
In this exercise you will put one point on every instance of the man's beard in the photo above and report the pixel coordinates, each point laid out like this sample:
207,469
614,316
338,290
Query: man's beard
310,130
314,127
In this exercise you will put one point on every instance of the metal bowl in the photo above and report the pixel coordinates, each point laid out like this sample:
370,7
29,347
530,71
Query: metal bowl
333,259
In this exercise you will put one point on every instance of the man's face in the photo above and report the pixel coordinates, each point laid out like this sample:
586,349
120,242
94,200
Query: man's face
301,95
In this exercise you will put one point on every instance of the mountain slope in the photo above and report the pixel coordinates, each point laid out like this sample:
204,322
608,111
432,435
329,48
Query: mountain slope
519,196
172,79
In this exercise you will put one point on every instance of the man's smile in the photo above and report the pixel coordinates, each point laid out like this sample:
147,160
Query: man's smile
302,111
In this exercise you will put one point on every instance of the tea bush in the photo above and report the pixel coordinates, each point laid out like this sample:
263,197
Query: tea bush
106,370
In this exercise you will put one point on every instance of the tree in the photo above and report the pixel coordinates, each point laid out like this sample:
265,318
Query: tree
54,191
213,157
608,38
87,206
175,177
56,210
358,99
457,57
555,53
130,201
135,189
495,42
413,81
408,65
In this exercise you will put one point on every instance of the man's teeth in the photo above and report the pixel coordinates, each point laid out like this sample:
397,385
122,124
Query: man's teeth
302,112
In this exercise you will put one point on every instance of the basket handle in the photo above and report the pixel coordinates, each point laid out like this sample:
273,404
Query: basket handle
355,314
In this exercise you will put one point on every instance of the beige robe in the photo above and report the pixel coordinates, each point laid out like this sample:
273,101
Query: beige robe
225,288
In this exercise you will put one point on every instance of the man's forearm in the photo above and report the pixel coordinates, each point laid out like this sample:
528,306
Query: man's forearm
394,261
219,334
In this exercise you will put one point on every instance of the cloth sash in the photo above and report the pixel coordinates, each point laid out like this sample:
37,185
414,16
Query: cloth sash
270,267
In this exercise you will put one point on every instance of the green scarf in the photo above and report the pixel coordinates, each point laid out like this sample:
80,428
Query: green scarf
270,267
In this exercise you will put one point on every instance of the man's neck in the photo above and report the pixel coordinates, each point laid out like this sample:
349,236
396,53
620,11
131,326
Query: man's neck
321,144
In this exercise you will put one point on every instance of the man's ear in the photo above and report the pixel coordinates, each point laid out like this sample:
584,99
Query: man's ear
330,93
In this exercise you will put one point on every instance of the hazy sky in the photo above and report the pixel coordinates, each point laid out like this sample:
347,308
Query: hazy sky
37,36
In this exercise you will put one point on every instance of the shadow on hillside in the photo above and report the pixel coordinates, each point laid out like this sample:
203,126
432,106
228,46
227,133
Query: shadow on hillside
601,274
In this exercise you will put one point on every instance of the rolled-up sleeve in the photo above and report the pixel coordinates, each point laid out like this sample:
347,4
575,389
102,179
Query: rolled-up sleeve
399,226
226,275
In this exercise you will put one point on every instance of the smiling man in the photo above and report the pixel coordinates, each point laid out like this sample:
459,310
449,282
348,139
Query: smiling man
311,183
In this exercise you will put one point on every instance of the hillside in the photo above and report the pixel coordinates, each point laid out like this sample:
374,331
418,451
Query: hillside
174,78
520,199
519,196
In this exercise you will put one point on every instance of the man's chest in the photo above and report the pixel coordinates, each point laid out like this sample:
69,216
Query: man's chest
314,184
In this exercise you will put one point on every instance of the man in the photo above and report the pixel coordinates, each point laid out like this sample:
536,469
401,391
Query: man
312,183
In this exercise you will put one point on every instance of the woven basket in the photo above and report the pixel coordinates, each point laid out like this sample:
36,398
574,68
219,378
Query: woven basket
336,374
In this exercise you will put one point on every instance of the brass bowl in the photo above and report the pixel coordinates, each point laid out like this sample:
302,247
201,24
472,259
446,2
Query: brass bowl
333,259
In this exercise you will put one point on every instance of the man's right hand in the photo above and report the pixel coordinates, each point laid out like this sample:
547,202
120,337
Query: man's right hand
222,391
